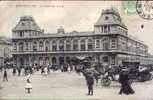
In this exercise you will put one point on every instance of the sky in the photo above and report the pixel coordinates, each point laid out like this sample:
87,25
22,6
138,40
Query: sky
72,15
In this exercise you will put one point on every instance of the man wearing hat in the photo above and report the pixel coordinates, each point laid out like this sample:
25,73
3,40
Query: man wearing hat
124,80
90,82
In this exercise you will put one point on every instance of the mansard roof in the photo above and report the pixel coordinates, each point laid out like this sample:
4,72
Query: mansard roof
110,16
26,23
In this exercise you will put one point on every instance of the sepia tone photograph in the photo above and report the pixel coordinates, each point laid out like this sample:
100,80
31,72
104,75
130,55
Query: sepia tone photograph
76,50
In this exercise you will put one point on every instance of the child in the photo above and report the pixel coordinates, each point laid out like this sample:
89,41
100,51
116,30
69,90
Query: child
28,86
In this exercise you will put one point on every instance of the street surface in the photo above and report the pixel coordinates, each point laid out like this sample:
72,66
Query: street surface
67,86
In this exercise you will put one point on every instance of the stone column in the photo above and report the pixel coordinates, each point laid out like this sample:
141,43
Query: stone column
65,45
72,45
79,44
57,42
50,45
86,44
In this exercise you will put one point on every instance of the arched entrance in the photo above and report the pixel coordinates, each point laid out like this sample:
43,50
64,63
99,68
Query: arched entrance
105,59
54,61
61,60
68,60
21,62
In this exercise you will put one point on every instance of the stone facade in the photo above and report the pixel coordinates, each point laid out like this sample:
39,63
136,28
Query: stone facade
108,43
5,49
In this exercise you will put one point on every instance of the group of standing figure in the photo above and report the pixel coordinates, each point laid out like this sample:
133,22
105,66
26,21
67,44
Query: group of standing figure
90,75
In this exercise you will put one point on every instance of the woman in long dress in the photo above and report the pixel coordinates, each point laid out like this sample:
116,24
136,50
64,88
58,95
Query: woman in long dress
28,85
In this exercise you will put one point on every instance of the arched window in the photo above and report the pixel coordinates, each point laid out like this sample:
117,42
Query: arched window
26,45
68,60
34,46
61,45
46,60
90,44
68,45
14,46
75,45
61,60
105,59
54,60
97,43
47,47
41,45
21,46
40,61
113,43
54,45
82,45
105,44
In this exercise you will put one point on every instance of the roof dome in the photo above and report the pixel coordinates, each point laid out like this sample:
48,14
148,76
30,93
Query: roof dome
26,23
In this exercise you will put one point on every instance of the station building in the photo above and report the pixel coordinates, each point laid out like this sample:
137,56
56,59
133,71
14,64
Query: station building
109,43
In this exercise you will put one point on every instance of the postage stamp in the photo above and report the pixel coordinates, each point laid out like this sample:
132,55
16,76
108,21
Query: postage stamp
128,7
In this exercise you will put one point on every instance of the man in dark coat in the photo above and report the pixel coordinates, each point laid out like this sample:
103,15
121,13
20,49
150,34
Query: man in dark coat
14,71
125,84
90,83
5,76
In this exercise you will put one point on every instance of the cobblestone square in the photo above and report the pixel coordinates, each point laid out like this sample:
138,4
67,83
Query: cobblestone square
67,86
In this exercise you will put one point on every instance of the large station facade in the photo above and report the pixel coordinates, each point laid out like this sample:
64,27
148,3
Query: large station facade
109,43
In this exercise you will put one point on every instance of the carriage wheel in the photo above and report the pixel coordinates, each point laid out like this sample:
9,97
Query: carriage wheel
105,82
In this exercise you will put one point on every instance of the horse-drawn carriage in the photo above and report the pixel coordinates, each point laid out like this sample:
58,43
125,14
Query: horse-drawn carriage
106,74
138,72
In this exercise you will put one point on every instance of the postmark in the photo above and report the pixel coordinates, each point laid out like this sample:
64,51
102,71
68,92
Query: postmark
145,9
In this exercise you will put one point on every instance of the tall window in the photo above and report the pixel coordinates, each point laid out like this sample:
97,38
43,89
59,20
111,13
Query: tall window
34,46
41,61
21,34
68,45
27,46
113,43
90,44
75,45
98,43
15,47
61,45
105,59
105,29
102,29
47,46
113,60
54,45
105,44
21,46
82,45
108,28
54,60
41,45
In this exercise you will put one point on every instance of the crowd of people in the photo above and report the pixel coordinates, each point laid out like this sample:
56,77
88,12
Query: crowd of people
91,74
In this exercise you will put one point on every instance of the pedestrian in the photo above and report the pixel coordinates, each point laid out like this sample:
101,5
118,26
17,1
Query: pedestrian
125,82
68,68
42,70
5,76
0,68
19,71
28,85
48,68
90,82
14,71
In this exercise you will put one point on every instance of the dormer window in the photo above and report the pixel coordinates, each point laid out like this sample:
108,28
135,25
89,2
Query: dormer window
21,34
106,17
22,24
